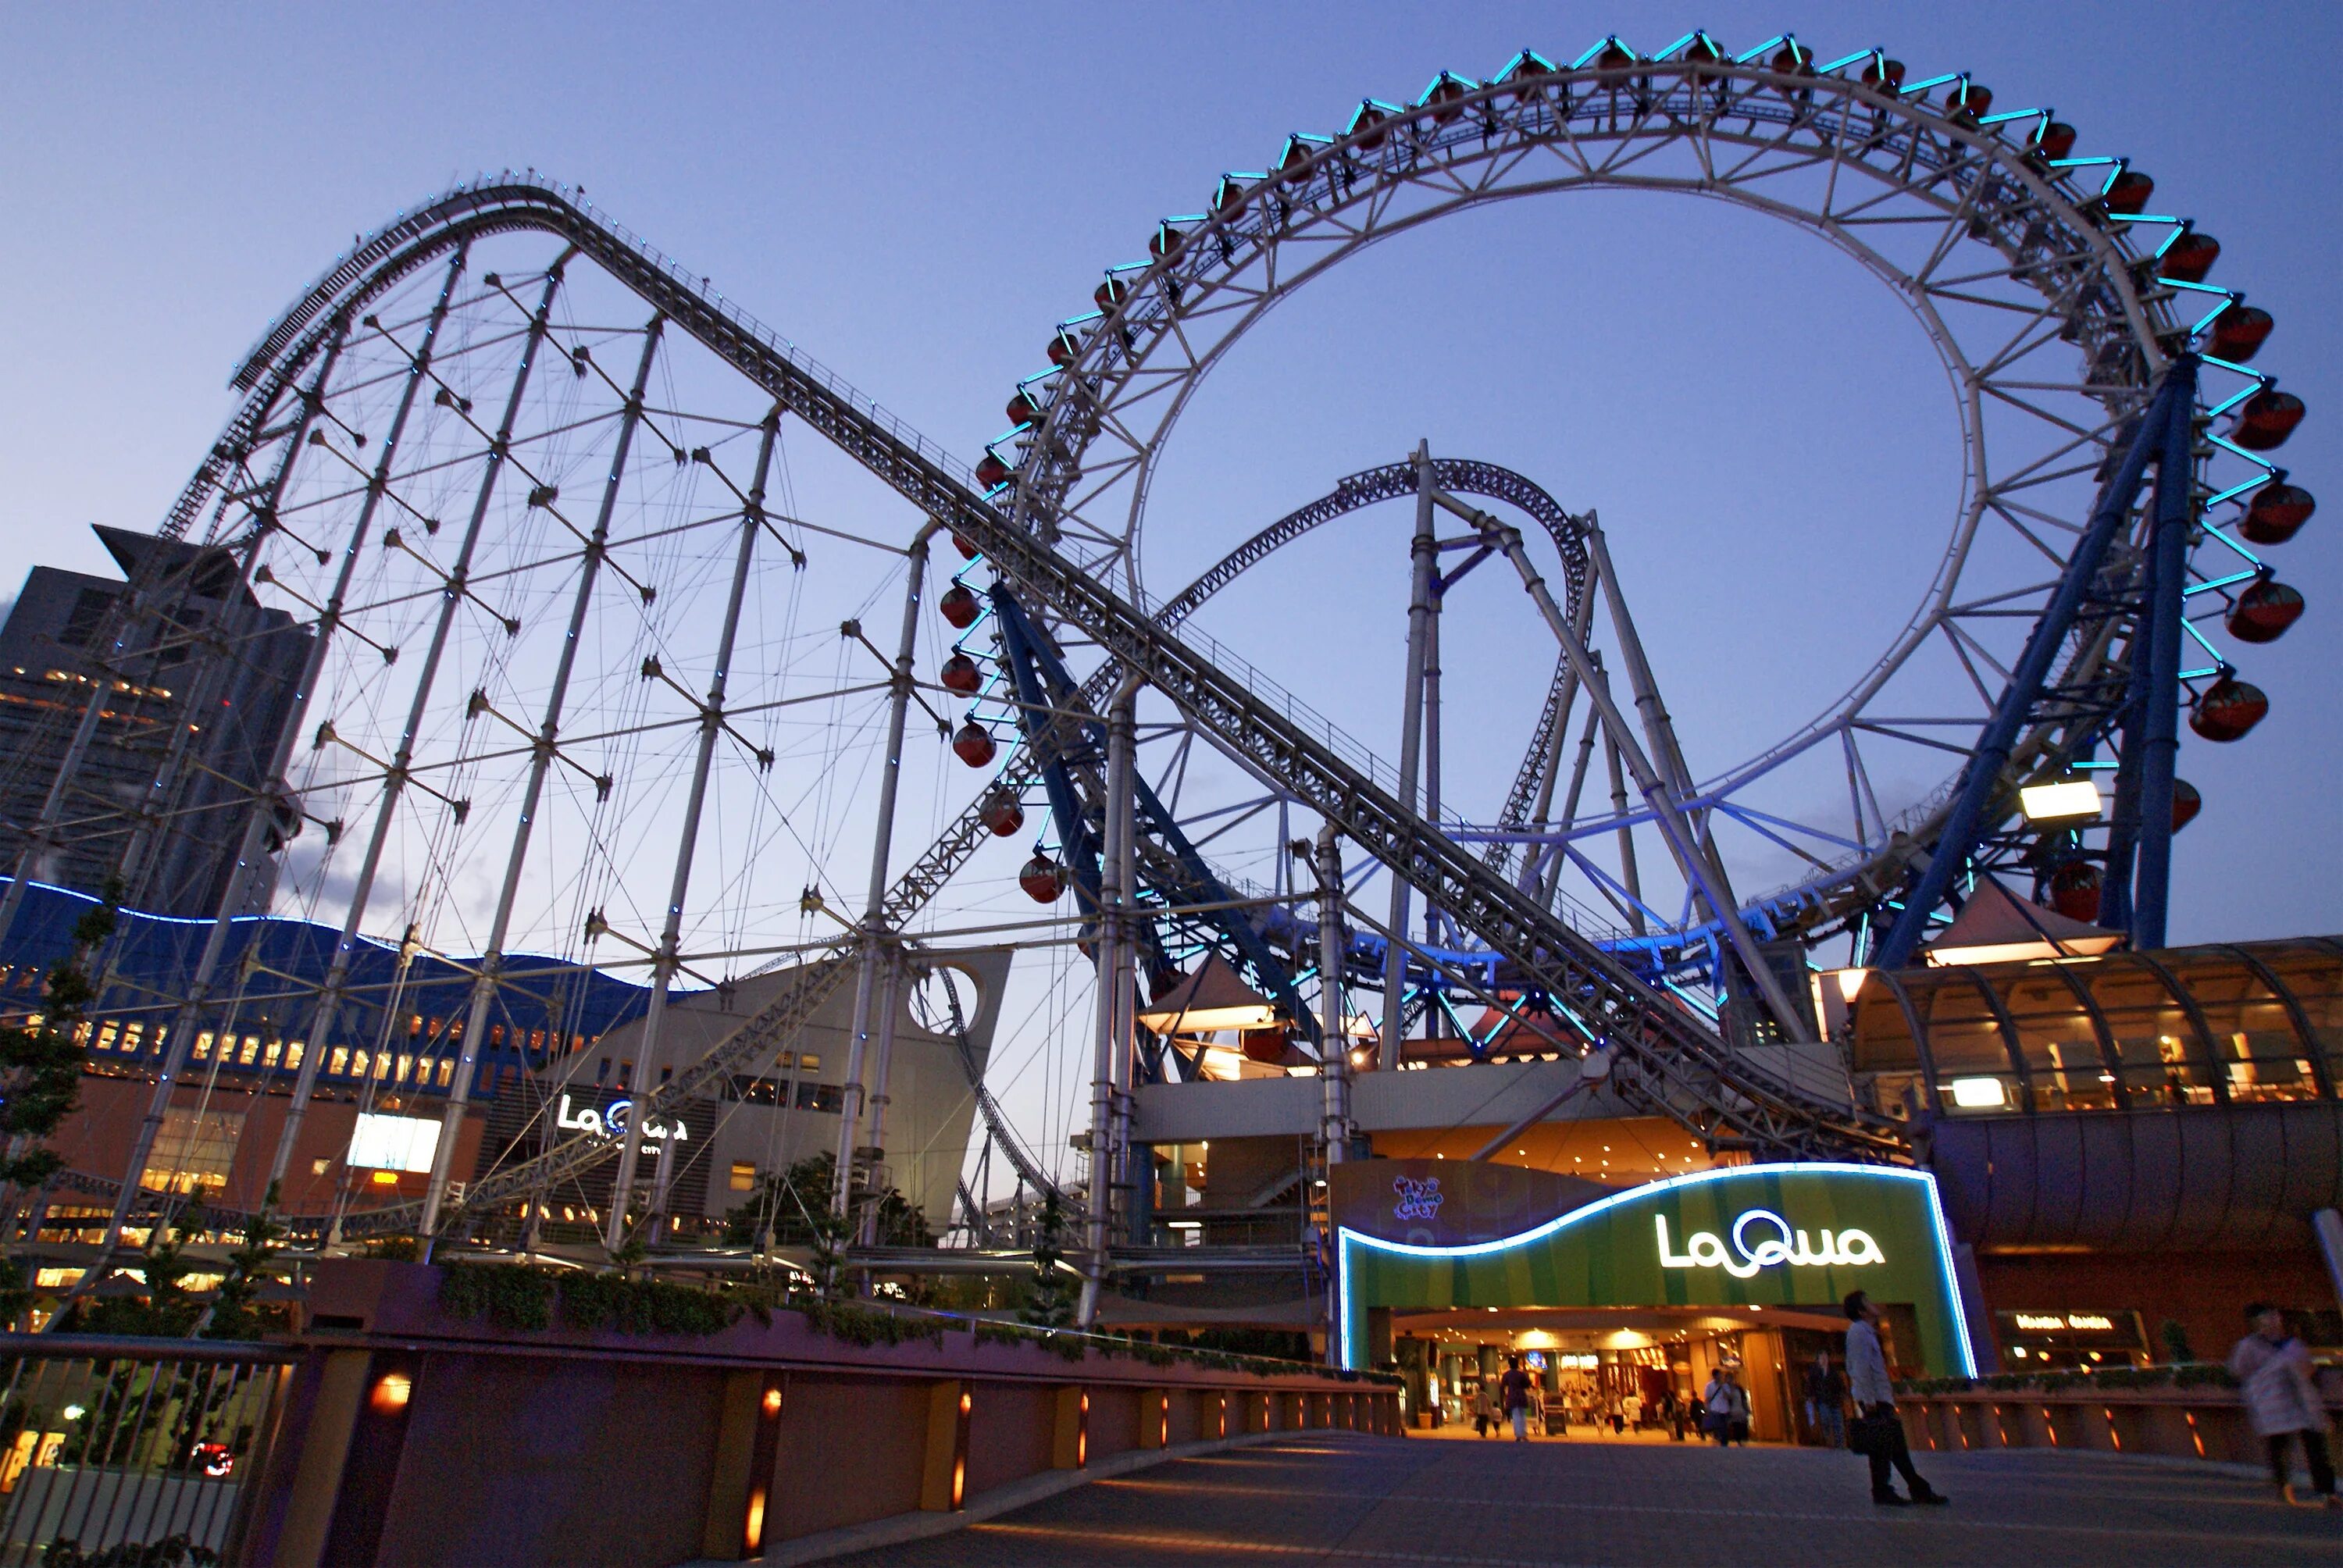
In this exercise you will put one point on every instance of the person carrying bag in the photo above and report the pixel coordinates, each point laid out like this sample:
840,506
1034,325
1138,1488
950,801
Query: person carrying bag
1875,1433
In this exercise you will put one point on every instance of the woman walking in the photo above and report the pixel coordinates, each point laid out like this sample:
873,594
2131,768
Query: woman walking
2283,1401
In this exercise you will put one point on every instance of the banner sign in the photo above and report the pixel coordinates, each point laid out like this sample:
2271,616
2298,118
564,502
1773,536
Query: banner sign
1793,1235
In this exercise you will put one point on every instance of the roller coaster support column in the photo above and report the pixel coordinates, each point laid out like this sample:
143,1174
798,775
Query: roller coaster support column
395,778
874,905
666,961
1582,621
2176,517
543,750
1631,877
890,1002
253,851
1667,755
1667,813
1423,559
1334,1130
2173,404
1107,1069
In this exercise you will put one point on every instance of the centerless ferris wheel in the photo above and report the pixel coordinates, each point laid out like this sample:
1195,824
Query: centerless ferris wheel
2057,301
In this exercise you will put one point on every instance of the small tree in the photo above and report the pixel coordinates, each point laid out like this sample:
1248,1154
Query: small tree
236,1315
40,1082
1051,1305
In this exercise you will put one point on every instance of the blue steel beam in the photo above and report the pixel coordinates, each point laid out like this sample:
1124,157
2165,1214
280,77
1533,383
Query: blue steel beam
2176,485
1048,673
2173,402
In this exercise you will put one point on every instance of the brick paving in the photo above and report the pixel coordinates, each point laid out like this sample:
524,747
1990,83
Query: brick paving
1338,1499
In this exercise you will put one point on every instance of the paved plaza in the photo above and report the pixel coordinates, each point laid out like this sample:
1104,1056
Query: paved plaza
1339,1499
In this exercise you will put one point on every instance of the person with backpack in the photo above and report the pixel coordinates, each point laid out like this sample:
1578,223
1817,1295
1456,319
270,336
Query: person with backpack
1877,1433
1513,1389
2282,1400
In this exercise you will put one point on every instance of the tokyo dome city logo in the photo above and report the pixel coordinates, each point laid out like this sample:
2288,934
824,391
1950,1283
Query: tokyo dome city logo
1761,1239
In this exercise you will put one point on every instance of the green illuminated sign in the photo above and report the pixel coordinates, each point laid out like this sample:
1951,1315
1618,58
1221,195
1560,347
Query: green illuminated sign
1751,1236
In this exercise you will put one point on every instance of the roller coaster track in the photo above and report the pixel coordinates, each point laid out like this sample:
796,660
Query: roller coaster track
1667,1062
1459,475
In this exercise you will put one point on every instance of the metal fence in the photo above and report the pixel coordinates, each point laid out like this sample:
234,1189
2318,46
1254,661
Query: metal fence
118,1451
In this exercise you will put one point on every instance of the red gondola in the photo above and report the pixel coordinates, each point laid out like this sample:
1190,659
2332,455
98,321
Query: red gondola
1364,125
2240,332
2189,258
1004,814
2265,419
1024,408
991,473
2228,709
2057,140
1443,97
973,745
1064,346
2276,511
1042,879
961,674
1883,75
960,606
2263,612
1111,295
2075,891
2130,193
2186,803
966,547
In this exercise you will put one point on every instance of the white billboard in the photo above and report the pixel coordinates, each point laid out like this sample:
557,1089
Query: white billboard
393,1143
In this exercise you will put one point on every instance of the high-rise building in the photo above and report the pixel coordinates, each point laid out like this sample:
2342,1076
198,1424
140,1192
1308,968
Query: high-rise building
196,678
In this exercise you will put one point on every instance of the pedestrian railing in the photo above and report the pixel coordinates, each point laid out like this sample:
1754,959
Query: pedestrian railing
116,1450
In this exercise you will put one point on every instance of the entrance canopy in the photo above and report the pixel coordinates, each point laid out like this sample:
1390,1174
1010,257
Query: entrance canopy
1791,1235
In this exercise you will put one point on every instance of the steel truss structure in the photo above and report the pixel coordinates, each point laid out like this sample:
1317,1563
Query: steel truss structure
536,520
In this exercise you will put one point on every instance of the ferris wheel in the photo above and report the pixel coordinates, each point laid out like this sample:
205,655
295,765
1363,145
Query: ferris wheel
2058,302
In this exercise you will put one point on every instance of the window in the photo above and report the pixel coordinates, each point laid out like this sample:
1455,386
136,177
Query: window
358,1064
192,1152
339,1061
82,621
829,1097
320,1165
446,1069
406,1068
744,1176
203,1045
292,1055
270,1053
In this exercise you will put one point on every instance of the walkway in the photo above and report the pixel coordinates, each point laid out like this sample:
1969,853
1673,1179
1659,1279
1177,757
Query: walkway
1326,1498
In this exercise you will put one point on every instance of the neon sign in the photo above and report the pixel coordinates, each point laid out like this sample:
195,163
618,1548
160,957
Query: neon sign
1725,1239
613,1122
1849,1248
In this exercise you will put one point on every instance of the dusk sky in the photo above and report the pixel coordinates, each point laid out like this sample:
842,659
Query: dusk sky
918,193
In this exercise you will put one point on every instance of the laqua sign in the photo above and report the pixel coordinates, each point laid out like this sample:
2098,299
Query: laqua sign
612,1121
1796,1235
